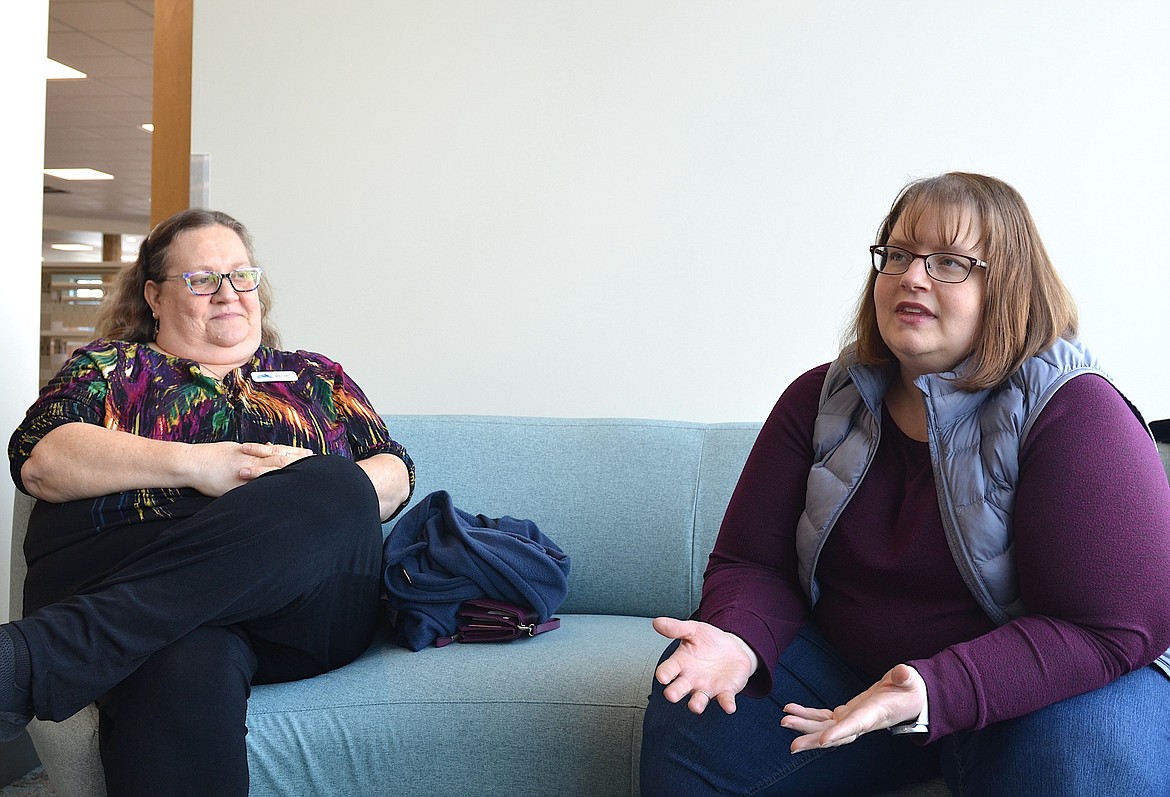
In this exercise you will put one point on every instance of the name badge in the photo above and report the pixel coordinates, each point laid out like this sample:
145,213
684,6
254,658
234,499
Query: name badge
274,376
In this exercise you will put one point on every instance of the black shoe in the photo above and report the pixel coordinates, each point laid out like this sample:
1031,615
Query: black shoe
15,704
12,723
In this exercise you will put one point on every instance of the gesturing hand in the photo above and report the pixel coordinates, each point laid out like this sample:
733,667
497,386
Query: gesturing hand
709,664
898,697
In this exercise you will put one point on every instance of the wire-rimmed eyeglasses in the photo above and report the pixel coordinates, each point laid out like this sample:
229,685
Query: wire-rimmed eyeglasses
207,283
940,266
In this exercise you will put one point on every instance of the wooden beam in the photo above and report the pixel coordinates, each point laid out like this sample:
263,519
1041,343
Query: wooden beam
111,247
170,157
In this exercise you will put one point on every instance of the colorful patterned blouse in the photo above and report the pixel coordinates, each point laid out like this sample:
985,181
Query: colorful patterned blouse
289,398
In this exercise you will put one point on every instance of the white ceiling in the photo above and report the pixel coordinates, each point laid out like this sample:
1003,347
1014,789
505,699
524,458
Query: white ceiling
95,122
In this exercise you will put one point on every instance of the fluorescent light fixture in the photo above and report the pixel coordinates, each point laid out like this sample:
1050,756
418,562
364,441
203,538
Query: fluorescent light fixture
55,70
148,127
79,174
71,247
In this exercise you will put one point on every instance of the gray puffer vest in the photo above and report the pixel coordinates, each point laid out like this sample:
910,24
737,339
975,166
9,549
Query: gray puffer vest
974,438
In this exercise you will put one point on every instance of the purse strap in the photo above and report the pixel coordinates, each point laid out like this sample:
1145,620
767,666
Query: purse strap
551,624
533,630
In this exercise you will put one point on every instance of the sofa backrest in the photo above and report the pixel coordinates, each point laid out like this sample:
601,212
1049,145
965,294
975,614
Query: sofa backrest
22,506
636,504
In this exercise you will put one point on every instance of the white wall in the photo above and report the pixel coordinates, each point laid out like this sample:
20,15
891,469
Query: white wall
23,44
661,208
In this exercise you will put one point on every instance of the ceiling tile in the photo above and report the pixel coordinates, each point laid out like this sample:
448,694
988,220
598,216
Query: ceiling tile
137,43
103,66
101,16
94,122
68,45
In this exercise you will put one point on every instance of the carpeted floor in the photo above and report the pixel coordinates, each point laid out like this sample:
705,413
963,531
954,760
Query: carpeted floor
34,784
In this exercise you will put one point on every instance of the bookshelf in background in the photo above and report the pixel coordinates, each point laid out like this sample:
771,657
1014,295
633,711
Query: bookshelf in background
71,294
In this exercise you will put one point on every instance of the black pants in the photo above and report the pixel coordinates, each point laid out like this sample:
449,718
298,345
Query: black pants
274,581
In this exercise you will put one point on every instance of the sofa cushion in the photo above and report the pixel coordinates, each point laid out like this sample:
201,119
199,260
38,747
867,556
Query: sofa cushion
435,721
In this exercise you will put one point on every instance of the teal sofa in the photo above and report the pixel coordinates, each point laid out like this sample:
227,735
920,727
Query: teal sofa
637,505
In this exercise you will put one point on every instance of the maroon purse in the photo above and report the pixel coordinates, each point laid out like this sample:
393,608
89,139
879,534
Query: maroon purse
490,620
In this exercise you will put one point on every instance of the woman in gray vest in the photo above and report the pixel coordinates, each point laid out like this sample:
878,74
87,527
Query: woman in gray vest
957,532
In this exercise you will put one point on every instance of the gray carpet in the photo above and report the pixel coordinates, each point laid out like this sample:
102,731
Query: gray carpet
34,784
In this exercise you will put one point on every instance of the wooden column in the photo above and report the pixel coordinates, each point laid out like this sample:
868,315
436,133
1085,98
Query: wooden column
170,157
111,247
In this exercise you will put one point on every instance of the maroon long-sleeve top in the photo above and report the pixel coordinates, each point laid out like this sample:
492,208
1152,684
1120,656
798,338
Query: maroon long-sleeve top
1092,544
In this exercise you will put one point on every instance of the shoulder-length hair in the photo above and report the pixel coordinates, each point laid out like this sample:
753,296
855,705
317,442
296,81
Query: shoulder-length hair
125,315
1026,307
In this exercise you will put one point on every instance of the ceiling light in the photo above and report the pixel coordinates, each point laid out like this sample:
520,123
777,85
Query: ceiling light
148,127
55,70
79,174
71,247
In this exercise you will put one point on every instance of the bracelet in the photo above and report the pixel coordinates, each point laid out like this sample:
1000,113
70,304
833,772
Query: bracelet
909,727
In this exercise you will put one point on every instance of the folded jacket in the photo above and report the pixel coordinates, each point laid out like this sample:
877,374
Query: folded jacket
437,556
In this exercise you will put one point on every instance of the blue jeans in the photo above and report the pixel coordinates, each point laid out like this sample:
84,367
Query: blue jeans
1115,740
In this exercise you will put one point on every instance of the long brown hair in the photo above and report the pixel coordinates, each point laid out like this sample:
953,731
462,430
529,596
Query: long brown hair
1026,307
125,315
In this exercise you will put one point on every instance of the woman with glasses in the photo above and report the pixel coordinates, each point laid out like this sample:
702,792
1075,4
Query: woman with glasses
208,517
948,552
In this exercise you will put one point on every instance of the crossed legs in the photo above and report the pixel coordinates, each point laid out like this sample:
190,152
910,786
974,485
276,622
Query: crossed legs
276,580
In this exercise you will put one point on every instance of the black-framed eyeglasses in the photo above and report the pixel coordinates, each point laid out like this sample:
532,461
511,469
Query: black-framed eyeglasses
207,283
940,266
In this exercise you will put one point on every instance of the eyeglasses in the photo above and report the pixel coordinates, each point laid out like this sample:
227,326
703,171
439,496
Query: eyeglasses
207,283
940,266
